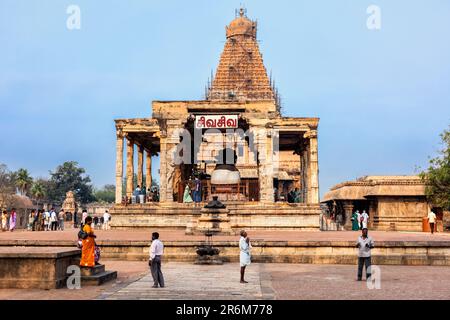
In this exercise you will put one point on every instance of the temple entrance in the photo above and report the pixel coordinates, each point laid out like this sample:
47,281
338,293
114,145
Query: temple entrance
205,146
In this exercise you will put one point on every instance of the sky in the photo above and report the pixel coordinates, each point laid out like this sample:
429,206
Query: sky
382,95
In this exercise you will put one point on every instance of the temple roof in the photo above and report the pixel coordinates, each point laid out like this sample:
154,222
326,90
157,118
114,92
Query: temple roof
376,186
241,74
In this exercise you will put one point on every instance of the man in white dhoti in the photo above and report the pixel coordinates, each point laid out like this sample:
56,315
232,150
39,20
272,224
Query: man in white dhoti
244,258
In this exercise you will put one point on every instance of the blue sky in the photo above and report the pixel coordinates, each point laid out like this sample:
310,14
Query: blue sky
382,96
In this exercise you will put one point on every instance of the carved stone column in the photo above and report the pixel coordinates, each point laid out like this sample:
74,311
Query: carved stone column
119,166
148,169
348,211
163,170
264,146
313,167
167,170
130,167
140,168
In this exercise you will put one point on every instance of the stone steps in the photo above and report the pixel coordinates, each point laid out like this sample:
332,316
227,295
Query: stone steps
97,275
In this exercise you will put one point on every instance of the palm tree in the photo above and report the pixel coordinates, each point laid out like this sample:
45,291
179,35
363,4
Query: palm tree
23,181
38,191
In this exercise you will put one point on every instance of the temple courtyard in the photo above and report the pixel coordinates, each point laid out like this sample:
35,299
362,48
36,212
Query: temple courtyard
329,271
266,281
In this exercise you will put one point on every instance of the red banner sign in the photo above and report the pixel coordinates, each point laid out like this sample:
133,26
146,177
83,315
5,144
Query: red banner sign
216,122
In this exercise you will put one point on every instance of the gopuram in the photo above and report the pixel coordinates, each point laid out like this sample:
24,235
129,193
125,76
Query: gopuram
272,180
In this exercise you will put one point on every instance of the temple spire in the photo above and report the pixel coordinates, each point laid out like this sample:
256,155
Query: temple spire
241,74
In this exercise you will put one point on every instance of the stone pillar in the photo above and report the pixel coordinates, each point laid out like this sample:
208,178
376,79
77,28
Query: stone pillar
140,168
148,169
162,170
264,144
130,167
119,167
348,211
167,170
313,167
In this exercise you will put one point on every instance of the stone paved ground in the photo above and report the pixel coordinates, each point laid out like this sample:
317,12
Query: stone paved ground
302,281
178,235
195,282
127,272
266,281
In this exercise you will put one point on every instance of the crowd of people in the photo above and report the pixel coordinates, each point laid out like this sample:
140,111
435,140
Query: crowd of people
359,220
142,195
50,220
8,221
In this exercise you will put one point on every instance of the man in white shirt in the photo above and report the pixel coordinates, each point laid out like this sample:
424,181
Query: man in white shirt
53,220
364,219
156,251
84,216
431,220
364,245
106,217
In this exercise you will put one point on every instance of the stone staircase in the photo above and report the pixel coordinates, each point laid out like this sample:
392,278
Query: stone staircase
97,275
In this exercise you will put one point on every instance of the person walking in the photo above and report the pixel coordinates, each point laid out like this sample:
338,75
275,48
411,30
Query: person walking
53,220
365,244
12,220
106,218
156,251
61,219
197,193
88,245
4,225
364,220
75,219
244,257
45,218
187,194
84,215
31,220
39,220
431,220
355,222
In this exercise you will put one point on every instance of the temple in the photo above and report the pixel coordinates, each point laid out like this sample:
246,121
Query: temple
277,157
394,203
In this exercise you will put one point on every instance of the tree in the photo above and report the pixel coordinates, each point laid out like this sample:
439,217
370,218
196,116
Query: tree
7,187
106,194
23,181
70,177
437,176
39,189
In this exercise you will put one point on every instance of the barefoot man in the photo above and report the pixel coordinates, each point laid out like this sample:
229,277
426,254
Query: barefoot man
244,246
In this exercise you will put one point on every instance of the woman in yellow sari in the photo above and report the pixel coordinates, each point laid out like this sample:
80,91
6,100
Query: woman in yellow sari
88,249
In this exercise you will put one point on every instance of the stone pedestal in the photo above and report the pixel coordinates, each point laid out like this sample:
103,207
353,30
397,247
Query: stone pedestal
213,220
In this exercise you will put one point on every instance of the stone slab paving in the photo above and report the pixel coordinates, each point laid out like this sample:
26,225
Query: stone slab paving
267,281
197,282
338,282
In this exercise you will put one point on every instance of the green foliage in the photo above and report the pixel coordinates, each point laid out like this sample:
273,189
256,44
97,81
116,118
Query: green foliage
106,194
70,177
7,187
39,189
23,181
437,176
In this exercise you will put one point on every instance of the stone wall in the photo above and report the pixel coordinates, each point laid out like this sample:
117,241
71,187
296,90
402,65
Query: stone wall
400,213
251,216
